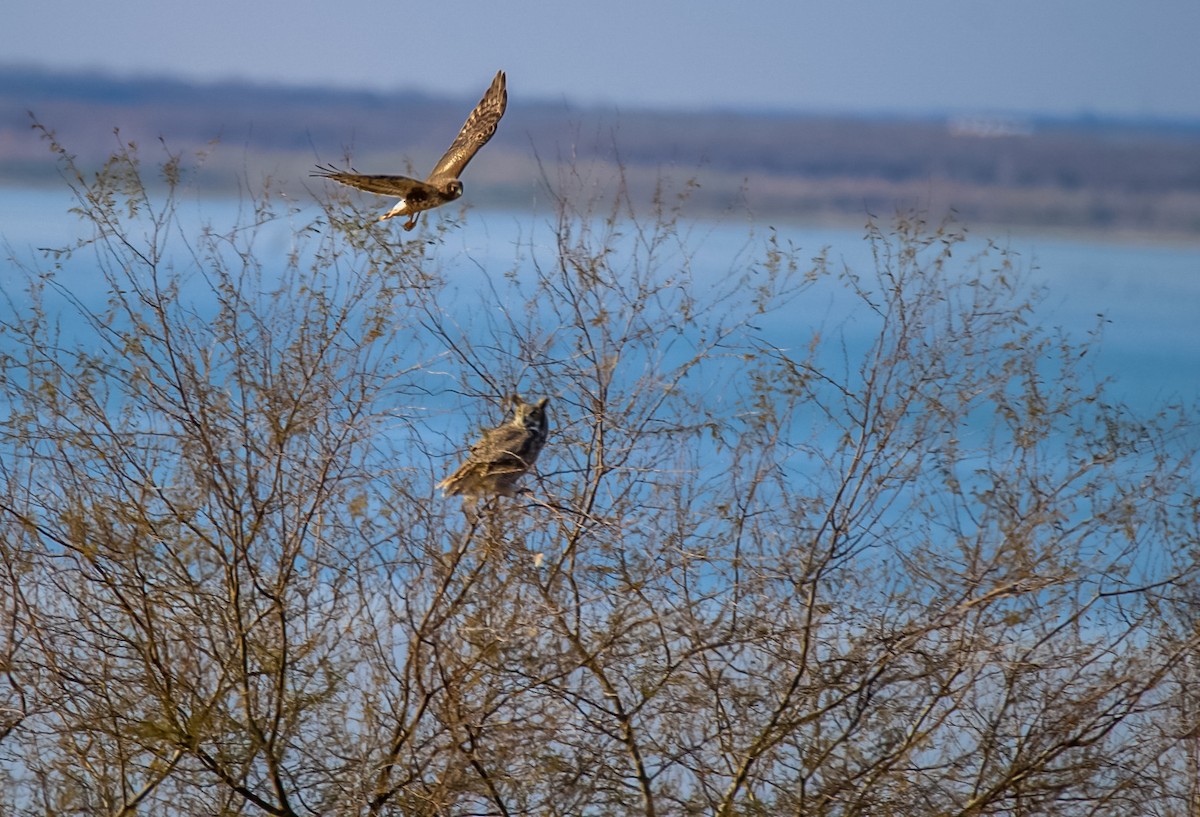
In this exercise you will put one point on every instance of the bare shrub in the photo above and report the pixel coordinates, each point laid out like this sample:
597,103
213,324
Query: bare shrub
918,564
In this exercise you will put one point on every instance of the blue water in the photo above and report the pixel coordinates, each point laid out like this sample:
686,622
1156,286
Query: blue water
1148,294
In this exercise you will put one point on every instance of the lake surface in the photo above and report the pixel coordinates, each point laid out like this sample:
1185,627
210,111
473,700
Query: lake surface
1149,294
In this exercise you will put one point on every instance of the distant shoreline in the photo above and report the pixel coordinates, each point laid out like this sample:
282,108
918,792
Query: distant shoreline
1083,177
841,221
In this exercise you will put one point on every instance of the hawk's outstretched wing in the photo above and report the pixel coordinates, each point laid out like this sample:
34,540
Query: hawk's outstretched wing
401,187
475,133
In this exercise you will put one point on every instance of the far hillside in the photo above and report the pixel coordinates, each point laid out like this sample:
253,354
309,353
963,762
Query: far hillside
1079,174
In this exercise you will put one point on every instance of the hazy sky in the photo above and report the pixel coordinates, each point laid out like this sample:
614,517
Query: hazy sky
1022,56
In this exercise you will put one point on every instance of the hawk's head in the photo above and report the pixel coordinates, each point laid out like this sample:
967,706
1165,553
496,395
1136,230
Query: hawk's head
452,189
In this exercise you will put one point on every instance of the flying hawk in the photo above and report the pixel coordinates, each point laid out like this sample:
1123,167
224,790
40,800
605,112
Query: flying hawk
502,456
442,184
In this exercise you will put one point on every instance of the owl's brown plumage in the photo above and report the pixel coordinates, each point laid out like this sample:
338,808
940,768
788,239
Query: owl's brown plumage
503,455
442,185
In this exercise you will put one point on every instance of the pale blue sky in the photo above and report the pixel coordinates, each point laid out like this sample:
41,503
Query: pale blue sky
1109,57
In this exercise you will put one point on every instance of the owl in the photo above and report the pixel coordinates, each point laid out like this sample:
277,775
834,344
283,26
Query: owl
442,184
502,456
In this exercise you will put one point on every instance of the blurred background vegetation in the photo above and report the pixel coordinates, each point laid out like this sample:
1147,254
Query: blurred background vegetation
1072,174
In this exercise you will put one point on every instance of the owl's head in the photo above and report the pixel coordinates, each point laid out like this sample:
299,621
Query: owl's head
452,189
529,415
